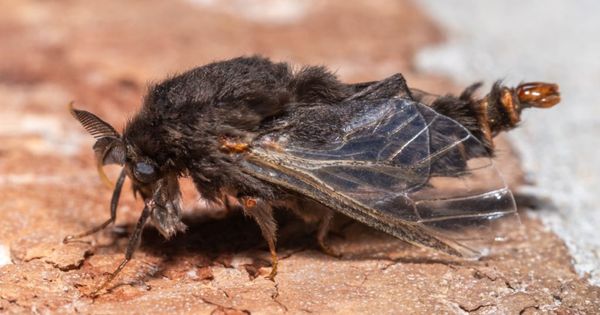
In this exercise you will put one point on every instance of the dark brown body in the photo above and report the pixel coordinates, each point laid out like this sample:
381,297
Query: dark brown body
205,124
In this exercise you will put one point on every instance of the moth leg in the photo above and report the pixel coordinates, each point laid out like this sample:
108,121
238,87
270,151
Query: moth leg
232,204
314,213
262,213
322,232
114,202
134,242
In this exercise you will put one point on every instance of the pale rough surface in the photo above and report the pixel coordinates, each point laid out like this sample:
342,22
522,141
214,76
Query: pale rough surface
102,54
555,41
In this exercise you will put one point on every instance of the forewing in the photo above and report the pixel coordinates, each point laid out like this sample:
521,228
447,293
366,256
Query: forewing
395,164
423,97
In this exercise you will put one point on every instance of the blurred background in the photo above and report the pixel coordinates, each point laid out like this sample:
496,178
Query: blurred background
103,55
551,41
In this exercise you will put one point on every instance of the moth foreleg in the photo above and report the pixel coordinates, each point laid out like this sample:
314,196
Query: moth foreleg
134,241
114,202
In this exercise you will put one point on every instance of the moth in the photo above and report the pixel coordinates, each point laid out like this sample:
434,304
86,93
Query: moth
256,135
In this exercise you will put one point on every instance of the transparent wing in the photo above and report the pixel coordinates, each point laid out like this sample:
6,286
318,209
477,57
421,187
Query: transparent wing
423,97
396,162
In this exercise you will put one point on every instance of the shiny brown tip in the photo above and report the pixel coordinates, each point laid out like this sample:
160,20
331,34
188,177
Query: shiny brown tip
538,94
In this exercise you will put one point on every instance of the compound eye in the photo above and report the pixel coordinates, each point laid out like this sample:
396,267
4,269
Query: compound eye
144,172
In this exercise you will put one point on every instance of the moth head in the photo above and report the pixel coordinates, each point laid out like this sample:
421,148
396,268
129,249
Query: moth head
144,172
109,147
160,191
144,175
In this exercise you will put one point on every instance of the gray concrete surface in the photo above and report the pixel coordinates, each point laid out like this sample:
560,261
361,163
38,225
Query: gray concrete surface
557,41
